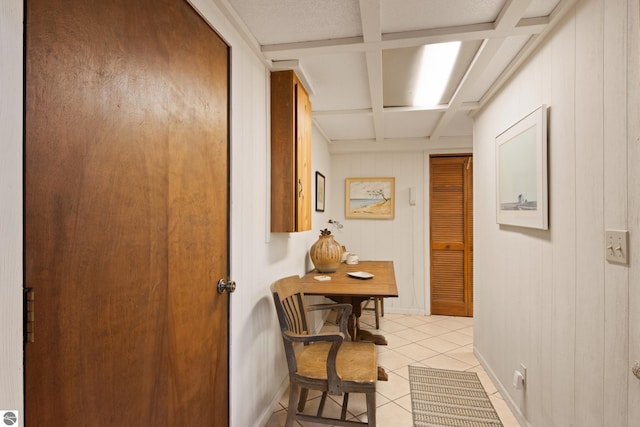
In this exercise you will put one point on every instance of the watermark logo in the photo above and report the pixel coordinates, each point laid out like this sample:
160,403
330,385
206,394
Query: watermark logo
9,418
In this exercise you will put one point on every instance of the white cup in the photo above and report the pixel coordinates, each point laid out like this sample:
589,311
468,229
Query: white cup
345,255
352,259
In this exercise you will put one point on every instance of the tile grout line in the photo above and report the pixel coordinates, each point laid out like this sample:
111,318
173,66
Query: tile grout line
395,328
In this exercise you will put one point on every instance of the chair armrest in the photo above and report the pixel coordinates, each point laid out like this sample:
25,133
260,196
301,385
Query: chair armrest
323,336
336,339
344,316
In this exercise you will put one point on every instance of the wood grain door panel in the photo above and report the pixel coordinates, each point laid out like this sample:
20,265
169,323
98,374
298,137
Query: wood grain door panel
451,236
126,178
303,159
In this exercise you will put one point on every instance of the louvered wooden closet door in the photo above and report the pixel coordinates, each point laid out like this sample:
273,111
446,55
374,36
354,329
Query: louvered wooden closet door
451,216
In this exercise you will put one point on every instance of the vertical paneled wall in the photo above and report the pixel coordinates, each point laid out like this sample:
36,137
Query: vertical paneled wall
548,299
633,159
405,239
11,386
258,370
401,239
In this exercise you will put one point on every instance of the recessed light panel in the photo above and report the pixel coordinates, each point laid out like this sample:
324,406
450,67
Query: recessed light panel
434,71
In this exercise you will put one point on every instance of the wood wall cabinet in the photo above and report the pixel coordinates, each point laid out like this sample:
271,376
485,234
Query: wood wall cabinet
290,154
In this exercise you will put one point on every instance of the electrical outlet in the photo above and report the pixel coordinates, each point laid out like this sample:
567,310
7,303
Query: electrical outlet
616,246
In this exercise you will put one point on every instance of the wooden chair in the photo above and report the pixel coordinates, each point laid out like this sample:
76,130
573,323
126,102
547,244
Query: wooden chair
328,362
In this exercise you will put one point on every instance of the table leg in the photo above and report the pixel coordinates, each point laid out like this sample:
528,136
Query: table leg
382,374
358,334
362,335
352,327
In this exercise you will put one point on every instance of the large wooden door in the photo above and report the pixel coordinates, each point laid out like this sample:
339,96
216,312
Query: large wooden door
451,225
126,214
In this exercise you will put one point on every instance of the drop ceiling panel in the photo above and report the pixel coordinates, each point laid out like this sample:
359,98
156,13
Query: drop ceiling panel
460,125
286,21
427,14
540,8
410,124
400,71
348,126
339,81
352,81
505,55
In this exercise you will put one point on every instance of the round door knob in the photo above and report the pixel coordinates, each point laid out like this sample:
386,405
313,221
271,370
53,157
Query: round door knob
636,370
226,285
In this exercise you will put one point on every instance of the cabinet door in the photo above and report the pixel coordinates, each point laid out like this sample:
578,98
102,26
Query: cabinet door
303,160
290,154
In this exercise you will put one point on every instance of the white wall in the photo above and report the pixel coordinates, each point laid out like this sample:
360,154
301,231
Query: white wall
258,372
633,113
549,299
11,385
405,239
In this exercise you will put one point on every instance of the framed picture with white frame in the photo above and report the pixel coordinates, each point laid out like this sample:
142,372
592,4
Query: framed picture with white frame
521,172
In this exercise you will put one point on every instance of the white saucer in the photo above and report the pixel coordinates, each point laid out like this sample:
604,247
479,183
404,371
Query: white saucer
360,274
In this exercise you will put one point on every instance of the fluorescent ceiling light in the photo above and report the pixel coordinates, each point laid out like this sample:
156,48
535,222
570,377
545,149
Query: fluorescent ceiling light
435,69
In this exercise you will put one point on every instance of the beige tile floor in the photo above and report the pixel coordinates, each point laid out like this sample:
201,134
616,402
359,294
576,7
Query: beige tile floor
435,341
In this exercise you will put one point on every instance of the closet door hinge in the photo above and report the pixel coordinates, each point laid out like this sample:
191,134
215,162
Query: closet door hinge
29,315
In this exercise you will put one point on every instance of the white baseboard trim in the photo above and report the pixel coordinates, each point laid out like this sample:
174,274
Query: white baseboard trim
501,389
266,414
412,311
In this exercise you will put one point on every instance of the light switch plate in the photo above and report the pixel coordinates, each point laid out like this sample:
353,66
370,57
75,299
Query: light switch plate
616,246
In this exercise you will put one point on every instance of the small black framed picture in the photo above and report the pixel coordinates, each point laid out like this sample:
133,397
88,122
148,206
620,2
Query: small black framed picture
320,192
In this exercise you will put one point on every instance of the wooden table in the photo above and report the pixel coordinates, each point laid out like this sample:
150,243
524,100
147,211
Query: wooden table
346,289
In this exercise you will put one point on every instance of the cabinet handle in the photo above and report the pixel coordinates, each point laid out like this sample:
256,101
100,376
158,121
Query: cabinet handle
301,188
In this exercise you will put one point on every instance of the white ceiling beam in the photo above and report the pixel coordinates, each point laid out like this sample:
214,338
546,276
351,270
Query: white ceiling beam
509,17
374,67
370,18
561,9
462,33
403,39
465,106
446,144
371,33
511,14
483,58
356,112
317,47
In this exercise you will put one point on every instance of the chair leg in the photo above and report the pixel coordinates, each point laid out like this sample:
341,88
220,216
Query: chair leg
345,403
371,409
303,399
323,400
294,394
